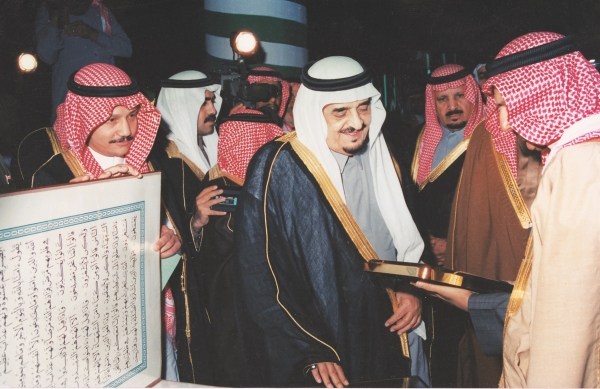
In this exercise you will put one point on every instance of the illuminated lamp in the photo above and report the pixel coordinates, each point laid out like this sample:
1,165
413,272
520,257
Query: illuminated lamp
27,63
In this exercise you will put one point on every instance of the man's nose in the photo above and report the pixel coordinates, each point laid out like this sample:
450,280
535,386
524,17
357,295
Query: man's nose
124,128
212,110
452,104
355,121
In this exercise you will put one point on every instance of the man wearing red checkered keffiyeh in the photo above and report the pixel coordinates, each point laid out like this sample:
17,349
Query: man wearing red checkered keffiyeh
453,108
276,106
106,128
240,136
548,93
490,220
550,96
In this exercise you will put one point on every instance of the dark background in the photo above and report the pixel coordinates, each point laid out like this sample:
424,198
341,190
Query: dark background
388,36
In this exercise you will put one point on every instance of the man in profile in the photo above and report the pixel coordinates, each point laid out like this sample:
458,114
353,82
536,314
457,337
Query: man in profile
189,103
317,204
547,92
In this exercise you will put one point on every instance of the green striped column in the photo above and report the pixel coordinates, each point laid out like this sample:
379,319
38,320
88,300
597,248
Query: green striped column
279,25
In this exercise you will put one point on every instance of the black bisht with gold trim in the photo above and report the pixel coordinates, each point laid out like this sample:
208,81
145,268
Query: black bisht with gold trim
301,294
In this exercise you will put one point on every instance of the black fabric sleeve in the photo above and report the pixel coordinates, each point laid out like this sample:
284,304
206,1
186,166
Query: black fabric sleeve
275,294
488,312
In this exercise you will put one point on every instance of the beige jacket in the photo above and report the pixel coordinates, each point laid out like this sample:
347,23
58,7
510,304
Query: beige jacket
554,339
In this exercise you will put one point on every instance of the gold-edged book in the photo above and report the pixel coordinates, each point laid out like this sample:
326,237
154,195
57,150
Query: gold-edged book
438,275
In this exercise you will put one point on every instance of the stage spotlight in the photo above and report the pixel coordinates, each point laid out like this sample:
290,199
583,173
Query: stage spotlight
244,43
27,63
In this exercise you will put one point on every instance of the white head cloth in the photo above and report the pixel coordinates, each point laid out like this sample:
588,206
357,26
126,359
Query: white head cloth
311,129
180,108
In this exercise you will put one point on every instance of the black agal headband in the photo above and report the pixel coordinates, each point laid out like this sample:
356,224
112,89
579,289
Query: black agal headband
336,84
449,78
536,54
102,91
197,83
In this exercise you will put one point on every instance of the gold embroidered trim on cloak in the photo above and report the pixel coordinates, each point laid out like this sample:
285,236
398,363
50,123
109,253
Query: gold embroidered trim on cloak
56,147
518,293
229,221
269,259
446,162
287,137
343,213
332,195
73,163
216,172
453,230
516,297
512,190
173,152
414,169
37,170
403,337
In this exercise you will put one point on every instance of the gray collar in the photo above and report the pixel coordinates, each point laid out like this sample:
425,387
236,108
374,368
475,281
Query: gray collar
342,159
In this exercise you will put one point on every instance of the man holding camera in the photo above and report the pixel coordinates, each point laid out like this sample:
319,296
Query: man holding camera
317,204
238,141
267,96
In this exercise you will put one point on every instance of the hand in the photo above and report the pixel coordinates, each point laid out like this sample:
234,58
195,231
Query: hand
85,177
408,314
204,201
81,30
120,171
112,172
168,243
456,296
236,109
438,246
330,374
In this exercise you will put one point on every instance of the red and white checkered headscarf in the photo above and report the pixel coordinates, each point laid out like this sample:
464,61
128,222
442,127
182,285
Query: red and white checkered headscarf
285,86
546,98
433,131
79,116
239,141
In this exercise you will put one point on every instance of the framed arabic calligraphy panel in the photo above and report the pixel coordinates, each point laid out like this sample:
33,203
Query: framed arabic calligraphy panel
80,285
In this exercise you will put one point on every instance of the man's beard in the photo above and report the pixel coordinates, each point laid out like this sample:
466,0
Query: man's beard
358,145
455,126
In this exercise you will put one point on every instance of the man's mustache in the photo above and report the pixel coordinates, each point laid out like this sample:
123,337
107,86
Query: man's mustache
122,139
210,118
351,130
455,112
